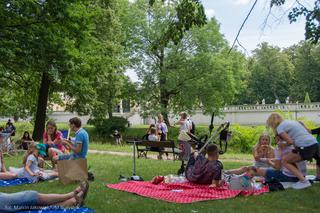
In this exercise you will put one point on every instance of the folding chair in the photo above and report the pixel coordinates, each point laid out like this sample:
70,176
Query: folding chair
65,133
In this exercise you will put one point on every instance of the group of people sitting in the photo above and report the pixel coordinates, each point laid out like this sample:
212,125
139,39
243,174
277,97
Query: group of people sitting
159,130
285,163
53,147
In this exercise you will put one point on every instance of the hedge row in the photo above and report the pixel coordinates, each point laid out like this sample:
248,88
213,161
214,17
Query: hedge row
243,137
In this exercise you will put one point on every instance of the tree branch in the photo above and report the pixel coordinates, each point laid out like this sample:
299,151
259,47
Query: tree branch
242,25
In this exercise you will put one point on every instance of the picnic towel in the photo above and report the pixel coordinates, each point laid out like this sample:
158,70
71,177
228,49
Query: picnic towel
182,192
14,182
60,210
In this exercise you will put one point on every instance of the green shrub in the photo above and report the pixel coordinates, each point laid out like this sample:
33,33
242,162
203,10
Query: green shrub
106,127
244,138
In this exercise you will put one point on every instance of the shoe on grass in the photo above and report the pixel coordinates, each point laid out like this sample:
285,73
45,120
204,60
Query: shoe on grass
301,184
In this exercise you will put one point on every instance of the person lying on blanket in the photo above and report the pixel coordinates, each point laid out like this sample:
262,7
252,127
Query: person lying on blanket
30,200
278,173
31,169
4,174
202,170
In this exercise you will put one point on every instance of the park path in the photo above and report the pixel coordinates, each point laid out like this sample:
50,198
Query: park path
154,157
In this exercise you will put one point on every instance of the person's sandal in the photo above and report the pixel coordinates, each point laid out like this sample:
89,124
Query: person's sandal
79,201
84,185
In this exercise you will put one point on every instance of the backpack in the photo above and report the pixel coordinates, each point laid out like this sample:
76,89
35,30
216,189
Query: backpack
193,127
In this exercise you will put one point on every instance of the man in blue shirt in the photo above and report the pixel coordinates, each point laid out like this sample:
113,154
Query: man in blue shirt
81,144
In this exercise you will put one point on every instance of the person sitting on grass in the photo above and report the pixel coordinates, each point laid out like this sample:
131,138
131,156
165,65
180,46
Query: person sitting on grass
306,146
25,140
52,138
263,151
202,170
80,146
4,174
31,169
277,172
31,200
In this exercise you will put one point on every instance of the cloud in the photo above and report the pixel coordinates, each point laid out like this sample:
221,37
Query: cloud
241,2
210,13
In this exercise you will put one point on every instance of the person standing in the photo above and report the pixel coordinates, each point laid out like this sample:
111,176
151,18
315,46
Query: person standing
183,122
162,128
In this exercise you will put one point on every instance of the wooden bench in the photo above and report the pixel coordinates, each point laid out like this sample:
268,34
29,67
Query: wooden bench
143,147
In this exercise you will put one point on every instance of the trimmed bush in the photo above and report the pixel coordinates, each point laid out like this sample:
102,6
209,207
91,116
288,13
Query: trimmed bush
106,127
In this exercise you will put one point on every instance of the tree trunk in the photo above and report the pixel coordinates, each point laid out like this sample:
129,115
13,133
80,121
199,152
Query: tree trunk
164,96
110,114
110,110
41,107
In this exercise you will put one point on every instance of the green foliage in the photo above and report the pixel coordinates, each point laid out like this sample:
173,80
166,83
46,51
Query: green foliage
305,57
307,99
105,127
244,138
271,75
198,66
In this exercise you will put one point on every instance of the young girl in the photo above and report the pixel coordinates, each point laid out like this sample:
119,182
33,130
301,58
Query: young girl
4,174
25,140
31,167
146,136
263,151
52,138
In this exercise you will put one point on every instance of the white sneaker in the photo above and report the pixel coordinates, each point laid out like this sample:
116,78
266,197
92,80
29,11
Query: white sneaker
301,184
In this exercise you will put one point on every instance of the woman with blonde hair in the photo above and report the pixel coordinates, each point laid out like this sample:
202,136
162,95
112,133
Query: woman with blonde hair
263,151
306,146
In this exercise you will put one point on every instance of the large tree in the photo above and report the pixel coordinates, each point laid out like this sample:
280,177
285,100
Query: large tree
271,75
46,47
306,59
187,74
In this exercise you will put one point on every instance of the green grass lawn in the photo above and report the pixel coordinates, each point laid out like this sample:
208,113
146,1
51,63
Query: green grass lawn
107,169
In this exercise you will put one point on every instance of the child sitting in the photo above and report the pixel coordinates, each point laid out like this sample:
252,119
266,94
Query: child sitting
116,134
31,169
153,134
25,140
263,151
203,170
4,174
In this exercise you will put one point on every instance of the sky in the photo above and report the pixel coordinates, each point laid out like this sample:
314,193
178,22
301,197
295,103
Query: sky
276,30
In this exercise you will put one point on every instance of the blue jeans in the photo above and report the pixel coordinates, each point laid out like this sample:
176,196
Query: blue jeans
18,201
67,157
273,175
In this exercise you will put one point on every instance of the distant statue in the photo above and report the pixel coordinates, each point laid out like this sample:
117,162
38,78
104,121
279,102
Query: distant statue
277,101
263,101
287,100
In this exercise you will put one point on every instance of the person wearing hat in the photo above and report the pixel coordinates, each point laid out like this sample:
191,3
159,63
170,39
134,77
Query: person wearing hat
31,169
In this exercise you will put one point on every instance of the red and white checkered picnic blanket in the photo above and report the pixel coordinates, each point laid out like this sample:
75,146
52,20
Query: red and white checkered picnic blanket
181,192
